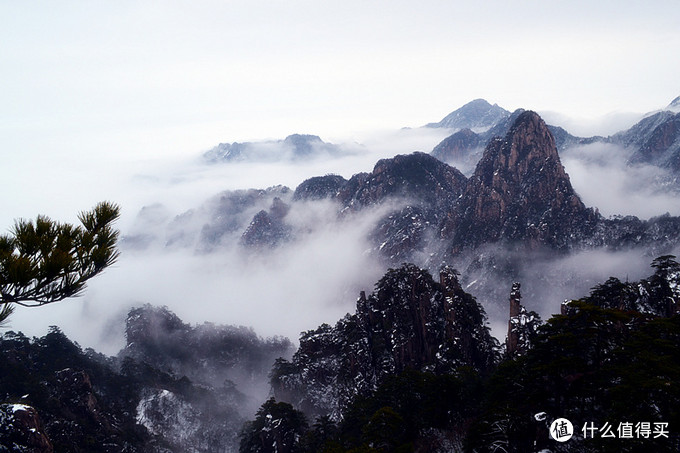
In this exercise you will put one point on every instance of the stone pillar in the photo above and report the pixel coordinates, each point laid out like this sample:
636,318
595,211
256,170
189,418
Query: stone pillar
515,308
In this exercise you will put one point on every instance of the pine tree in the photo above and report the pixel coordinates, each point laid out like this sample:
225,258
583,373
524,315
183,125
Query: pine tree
47,261
277,428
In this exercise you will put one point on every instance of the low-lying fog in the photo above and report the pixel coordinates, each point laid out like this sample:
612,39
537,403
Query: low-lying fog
293,288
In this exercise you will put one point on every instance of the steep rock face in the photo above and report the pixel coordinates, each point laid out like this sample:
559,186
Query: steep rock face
523,325
638,133
654,140
606,356
416,189
211,377
410,321
520,191
465,146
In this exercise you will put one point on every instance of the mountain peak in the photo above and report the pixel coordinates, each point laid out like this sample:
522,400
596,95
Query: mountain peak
520,191
674,106
524,152
478,114
416,176
294,146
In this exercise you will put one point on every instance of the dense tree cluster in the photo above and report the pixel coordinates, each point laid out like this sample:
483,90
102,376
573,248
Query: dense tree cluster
155,396
409,322
611,359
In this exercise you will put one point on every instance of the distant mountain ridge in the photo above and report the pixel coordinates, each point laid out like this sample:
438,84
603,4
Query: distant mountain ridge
519,192
293,147
465,147
654,140
518,196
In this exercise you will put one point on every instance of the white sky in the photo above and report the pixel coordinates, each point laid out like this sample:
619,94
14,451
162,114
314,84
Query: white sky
236,70
94,92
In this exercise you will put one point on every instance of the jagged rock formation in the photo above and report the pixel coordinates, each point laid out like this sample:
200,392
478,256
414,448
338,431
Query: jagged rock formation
410,321
518,201
293,147
520,191
410,346
418,187
81,402
465,147
219,222
518,194
654,140
268,228
522,325
221,374
231,213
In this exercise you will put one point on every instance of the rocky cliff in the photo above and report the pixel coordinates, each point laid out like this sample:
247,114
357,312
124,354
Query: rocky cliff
409,322
519,191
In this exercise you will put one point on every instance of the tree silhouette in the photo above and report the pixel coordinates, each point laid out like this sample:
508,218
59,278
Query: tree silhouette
47,261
